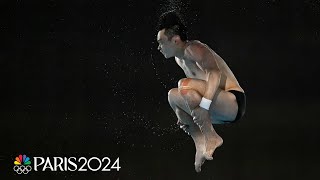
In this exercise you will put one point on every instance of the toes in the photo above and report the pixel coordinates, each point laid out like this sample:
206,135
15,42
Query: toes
199,161
209,158
197,167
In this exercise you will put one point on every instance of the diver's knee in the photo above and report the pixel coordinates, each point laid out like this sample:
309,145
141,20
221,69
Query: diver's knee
172,93
183,82
172,96
190,95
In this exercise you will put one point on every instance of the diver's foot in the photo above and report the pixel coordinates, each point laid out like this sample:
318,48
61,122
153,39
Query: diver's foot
200,158
212,143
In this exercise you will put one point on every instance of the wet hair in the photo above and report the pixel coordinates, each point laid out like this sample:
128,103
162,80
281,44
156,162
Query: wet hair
173,25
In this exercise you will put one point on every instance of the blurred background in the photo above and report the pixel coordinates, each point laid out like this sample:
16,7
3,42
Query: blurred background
84,78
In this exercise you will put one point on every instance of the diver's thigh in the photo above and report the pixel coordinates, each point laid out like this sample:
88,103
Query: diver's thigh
224,107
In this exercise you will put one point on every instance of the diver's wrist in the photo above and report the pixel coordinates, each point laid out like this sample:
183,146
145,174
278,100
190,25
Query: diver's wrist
205,103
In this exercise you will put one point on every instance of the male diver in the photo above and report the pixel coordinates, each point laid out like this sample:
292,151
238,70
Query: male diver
210,93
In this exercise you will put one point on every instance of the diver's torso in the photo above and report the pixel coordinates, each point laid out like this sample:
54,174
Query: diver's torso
193,70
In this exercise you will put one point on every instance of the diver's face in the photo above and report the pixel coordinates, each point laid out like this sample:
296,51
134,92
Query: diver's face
166,47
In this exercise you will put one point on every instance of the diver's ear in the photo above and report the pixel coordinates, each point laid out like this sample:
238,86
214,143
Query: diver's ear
176,39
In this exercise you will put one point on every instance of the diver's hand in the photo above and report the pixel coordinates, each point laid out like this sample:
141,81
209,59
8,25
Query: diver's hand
184,127
200,115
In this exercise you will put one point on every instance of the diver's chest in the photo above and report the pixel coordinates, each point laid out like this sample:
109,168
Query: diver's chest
191,69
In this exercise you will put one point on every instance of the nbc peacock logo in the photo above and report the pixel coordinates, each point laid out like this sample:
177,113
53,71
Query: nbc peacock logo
22,164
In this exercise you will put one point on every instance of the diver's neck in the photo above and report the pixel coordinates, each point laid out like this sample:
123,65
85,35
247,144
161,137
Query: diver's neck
181,52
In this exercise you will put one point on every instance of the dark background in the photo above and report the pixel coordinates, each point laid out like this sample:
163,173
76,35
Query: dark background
84,78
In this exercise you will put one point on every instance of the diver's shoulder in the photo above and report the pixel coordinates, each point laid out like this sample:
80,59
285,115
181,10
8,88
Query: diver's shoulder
195,46
195,50
195,43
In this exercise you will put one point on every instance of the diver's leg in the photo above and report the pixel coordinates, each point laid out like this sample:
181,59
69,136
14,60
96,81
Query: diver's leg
186,123
213,140
223,108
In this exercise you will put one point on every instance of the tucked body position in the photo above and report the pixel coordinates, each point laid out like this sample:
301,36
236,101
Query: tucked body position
210,94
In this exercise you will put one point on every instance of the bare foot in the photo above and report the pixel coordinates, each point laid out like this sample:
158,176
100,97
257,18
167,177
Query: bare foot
200,142
212,143
212,139
200,158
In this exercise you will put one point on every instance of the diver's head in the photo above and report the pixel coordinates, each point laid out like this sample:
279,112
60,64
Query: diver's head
172,34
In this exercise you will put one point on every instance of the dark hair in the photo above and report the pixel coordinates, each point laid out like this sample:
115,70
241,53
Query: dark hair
173,25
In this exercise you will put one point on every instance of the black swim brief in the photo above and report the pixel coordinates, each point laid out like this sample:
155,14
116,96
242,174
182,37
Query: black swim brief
241,100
